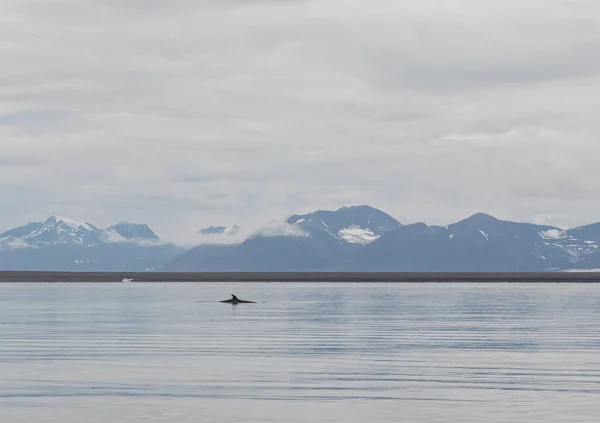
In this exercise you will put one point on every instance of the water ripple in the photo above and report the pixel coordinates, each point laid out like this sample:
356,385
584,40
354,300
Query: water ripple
306,352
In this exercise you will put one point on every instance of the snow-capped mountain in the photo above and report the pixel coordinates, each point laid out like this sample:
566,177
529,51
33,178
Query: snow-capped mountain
323,240
63,244
361,238
478,243
357,238
484,243
579,245
58,230
549,247
355,224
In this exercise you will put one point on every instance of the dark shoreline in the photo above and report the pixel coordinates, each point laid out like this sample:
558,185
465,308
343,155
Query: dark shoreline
296,277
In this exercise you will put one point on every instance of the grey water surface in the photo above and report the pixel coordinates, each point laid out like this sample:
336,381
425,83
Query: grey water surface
314,352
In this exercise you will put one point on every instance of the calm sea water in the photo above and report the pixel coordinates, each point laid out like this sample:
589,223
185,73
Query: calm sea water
306,353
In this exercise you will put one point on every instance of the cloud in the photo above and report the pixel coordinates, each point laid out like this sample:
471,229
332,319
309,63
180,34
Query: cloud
186,113
220,230
279,228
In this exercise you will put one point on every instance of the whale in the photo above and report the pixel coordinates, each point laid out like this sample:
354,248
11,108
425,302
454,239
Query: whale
236,300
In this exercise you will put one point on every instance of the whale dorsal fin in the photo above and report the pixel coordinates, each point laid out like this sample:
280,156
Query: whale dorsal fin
233,297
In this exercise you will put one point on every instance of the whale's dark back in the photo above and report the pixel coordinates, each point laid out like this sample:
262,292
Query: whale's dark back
236,300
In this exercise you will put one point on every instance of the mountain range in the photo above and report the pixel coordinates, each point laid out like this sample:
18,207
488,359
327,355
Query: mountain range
356,238
61,244
362,238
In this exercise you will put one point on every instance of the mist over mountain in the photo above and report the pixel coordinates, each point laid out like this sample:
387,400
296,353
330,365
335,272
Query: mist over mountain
220,230
355,238
132,232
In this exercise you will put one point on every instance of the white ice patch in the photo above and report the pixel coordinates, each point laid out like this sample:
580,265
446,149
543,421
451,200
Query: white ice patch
299,221
73,224
357,235
452,236
553,234
324,224
484,234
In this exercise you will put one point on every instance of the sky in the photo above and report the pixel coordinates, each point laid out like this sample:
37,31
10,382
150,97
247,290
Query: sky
188,113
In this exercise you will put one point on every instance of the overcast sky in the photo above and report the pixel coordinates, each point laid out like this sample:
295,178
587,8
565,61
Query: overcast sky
189,113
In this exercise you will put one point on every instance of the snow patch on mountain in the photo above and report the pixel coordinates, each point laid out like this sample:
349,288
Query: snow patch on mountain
72,223
553,234
357,235
575,249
